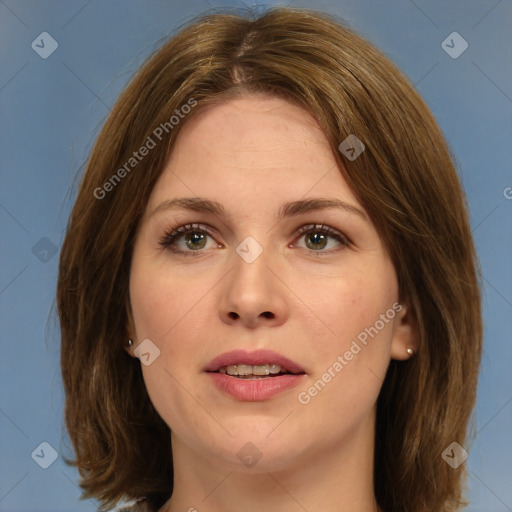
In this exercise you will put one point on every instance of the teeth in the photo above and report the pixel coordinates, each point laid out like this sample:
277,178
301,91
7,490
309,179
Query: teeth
244,369
232,370
274,368
261,370
247,369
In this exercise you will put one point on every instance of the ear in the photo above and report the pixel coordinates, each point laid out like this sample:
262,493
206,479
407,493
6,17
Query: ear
130,330
405,333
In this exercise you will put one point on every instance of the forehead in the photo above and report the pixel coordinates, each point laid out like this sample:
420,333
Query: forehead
248,146
253,127
246,114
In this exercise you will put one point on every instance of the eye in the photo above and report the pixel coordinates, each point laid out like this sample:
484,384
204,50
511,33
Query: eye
317,237
194,237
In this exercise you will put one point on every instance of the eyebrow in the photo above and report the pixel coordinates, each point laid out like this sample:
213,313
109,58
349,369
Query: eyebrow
290,209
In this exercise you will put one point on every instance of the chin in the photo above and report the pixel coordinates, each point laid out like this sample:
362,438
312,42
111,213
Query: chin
258,446
259,456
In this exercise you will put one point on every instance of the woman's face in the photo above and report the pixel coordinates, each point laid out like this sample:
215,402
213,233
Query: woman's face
271,273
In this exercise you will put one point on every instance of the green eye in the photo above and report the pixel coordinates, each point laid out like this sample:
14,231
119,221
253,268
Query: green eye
195,238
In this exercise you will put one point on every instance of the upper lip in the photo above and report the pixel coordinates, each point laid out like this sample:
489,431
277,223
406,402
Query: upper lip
257,357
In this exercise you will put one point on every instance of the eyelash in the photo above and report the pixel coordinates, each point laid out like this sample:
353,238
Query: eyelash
168,240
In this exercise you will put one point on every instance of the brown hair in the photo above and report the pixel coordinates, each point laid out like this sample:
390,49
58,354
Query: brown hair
406,181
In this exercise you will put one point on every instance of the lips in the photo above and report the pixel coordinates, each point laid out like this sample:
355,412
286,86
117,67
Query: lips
253,389
256,358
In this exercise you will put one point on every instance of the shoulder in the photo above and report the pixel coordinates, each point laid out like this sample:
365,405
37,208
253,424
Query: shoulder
139,506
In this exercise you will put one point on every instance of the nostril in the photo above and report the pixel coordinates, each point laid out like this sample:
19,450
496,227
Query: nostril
233,315
268,314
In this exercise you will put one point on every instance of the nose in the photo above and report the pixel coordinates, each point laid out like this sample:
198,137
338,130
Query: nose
253,295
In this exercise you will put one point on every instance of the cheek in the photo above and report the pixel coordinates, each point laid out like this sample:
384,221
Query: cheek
160,301
350,363
347,307
162,308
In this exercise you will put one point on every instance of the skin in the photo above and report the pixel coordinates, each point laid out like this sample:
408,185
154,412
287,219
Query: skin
253,154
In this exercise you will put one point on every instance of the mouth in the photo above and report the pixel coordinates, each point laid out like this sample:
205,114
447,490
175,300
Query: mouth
259,363
260,371
254,376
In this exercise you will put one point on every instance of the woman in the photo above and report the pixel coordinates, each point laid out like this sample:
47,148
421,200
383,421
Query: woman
268,290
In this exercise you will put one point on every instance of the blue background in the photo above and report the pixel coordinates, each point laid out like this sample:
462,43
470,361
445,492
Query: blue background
50,113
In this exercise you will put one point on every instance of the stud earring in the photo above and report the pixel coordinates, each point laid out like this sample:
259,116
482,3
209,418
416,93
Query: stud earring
130,343
410,351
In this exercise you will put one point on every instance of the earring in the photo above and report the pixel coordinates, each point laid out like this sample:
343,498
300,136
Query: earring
410,351
130,343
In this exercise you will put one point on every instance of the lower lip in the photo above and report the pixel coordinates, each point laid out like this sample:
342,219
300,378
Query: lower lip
255,390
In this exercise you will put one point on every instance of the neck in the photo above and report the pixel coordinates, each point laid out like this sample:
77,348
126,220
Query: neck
338,479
